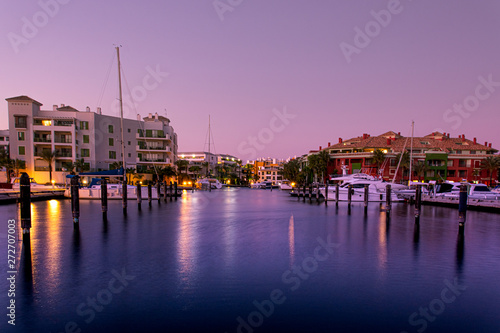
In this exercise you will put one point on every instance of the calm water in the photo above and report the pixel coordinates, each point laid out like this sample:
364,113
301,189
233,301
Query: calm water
215,262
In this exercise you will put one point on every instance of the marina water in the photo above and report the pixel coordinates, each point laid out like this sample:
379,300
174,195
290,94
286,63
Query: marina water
242,260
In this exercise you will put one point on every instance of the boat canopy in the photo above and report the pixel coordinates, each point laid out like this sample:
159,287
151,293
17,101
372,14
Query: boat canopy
106,173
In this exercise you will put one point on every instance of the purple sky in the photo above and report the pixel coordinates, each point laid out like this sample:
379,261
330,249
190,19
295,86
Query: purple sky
263,56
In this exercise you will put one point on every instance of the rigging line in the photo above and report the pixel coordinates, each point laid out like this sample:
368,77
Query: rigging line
105,83
141,124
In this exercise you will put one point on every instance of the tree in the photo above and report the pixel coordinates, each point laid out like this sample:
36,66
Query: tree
323,160
49,157
405,162
206,166
80,165
378,158
313,163
115,165
420,169
131,172
6,163
18,165
490,164
182,164
195,169
291,170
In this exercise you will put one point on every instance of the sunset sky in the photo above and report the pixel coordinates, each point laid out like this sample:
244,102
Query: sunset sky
336,68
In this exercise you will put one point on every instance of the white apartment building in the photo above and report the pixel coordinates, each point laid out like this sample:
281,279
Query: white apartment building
95,137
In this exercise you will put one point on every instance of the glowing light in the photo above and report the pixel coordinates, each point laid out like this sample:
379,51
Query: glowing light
385,151
46,122
228,181
140,182
182,156
84,181
293,184
184,183
193,155
189,183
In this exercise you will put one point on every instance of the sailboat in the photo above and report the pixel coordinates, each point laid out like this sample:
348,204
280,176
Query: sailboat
114,190
208,183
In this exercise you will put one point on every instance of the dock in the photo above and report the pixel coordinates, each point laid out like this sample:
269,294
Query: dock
492,206
11,196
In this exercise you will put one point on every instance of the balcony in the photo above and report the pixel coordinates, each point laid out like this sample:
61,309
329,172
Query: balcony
154,148
47,139
63,153
152,160
63,140
152,136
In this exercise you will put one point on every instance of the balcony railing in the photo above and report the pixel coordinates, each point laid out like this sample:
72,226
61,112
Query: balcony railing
161,160
63,140
47,139
62,153
41,168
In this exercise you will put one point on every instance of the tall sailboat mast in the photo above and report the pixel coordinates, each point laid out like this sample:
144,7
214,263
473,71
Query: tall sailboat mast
209,134
411,150
121,112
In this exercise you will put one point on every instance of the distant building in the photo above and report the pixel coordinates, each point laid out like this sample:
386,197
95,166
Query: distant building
4,140
215,162
268,169
446,158
92,136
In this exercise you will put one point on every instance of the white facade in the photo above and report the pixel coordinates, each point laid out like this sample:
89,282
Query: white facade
89,135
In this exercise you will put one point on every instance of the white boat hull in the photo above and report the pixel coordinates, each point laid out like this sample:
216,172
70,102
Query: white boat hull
358,195
113,193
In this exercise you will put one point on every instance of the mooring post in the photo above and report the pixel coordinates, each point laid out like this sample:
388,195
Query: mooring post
326,194
150,194
304,194
310,192
158,191
139,195
388,199
124,195
171,191
418,203
367,195
175,190
165,190
25,202
104,199
462,207
75,200
349,194
337,187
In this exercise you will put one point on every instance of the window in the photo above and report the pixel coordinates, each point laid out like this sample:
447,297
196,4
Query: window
86,139
473,152
20,136
84,125
129,155
85,152
22,150
112,155
20,121
128,143
110,128
111,142
462,173
451,173
128,130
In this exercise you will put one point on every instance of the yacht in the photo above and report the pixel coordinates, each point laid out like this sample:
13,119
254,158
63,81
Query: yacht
203,184
33,185
286,185
376,189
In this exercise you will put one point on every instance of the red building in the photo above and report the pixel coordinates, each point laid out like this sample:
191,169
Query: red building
446,158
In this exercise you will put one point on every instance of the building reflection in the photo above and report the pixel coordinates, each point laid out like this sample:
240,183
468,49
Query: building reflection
291,240
383,229
186,241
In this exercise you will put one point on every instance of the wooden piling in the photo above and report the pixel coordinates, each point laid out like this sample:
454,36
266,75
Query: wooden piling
175,190
158,191
25,203
124,195
349,194
104,199
388,199
326,194
337,187
171,190
304,194
366,198
418,203
75,200
150,194
462,207
165,191
139,195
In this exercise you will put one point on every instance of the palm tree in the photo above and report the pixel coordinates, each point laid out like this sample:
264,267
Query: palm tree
419,169
6,163
182,164
131,172
115,165
313,163
323,160
80,165
378,158
490,164
18,165
405,162
291,170
49,157
195,169
206,166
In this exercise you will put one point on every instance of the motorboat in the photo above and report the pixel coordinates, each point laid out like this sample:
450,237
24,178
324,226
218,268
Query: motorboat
376,189
286,185
496,189
33,185
114,192
208,183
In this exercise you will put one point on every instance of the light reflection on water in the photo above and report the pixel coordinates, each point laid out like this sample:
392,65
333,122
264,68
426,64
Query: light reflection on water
201,261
